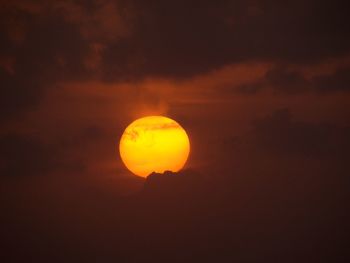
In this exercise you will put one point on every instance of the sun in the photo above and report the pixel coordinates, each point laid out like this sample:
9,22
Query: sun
154,144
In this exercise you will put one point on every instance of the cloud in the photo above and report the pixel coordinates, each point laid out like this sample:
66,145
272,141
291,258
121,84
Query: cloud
292,80
51,51
98,21
183,182
286,81
280,134
183,215
280,80
25,156
205,38
44,44
338,81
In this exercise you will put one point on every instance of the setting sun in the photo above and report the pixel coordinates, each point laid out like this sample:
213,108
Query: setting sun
154,144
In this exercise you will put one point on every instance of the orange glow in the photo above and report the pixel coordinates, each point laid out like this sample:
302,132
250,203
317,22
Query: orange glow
154,144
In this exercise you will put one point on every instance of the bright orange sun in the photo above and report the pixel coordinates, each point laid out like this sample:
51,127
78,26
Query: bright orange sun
154,144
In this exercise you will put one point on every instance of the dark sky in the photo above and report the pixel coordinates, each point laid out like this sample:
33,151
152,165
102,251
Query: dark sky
262,87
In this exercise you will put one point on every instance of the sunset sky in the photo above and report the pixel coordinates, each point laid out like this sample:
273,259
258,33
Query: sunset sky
261,87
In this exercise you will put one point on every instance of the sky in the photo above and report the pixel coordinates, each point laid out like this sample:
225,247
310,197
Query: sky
261,87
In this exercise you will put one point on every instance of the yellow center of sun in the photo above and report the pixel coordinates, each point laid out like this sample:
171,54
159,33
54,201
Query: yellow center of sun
154,144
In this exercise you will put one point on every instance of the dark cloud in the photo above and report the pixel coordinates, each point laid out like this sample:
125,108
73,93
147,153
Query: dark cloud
25,156
51,51
184,182
280,80
183,218
17,95
28,155
73,40
286,81
211,35
338,81
282,135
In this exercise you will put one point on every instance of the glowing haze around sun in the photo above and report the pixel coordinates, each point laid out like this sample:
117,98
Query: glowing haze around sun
154,144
